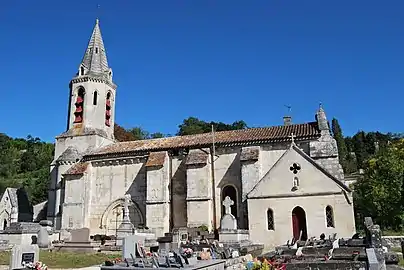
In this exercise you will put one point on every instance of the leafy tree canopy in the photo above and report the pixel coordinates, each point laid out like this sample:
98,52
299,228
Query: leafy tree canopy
380,193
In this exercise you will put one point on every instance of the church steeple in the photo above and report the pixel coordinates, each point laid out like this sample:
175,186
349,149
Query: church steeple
92,103
95,61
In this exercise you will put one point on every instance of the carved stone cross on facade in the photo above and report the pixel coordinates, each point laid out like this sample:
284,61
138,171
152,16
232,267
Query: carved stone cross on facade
227,203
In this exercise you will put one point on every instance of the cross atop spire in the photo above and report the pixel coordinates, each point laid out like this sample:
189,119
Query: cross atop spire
95,62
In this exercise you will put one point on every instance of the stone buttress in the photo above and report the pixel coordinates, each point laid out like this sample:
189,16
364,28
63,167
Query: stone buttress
199,189
250,176
157,192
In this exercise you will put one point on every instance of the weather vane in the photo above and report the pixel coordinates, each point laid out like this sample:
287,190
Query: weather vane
98,11
289,108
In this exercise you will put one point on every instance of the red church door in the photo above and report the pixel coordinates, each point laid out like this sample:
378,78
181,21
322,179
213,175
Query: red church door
299,225
295,226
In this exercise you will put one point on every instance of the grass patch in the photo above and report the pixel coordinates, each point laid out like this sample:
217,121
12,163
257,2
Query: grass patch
392,233
66,259
397,249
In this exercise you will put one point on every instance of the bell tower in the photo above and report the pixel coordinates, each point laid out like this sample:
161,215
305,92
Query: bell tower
92,91
90,120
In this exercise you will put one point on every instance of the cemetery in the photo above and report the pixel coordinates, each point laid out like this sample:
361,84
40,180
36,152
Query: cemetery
29,245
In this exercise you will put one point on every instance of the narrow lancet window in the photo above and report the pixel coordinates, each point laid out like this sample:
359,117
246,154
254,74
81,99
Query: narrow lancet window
270,220
329,216
78,113
108,110
95,97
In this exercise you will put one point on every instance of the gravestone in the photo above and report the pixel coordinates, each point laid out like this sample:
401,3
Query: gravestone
372,259
21,254
130,245
80,235
43,240
374,240
228,221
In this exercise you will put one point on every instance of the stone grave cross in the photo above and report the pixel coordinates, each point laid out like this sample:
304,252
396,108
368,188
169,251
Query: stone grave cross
227,203
128,198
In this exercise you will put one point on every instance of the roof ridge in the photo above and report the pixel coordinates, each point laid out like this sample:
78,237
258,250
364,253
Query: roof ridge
276,134
220,132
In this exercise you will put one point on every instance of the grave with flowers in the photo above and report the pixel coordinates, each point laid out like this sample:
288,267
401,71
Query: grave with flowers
355,253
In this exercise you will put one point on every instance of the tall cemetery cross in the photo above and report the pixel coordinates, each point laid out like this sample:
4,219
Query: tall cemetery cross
227,203
128,197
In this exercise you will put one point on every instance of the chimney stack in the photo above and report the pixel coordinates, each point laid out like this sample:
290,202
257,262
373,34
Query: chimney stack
287,120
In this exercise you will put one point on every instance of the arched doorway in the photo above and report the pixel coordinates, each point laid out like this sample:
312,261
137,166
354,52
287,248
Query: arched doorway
232,193
299,223
113,216
4,224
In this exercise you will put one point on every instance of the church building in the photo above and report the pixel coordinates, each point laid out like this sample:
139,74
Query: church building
285,181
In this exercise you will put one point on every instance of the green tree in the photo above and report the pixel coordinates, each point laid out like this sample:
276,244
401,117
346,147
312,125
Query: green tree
193,125
139,133
380,194
157,135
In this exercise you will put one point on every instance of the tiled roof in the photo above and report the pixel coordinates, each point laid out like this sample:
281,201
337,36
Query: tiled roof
267,134
197,157
70,154
156,159
77,169
250,153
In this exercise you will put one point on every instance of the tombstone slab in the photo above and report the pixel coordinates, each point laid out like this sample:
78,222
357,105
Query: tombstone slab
45,230
80,235
130,245
23,254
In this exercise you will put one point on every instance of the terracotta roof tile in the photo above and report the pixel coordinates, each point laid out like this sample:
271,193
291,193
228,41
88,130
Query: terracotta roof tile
250,153
76,169
197,157
266,134
156,159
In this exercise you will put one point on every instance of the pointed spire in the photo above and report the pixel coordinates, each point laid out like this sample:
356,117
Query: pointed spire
322,119
95,58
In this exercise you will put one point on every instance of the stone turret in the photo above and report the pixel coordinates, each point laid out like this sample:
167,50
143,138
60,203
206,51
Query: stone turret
325,150
322,121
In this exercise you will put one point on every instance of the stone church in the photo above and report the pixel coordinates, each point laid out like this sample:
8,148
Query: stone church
285,181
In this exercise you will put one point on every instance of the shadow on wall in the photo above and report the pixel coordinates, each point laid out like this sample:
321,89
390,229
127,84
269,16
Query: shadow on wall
178,190
138,190
25,209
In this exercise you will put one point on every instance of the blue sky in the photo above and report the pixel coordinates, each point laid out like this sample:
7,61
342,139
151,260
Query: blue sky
216,60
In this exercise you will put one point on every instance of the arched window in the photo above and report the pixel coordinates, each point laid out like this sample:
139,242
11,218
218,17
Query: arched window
81,71
270,220
329,217
108,110
95,97
78,113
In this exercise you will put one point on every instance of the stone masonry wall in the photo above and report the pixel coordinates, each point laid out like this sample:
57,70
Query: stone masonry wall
325,152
